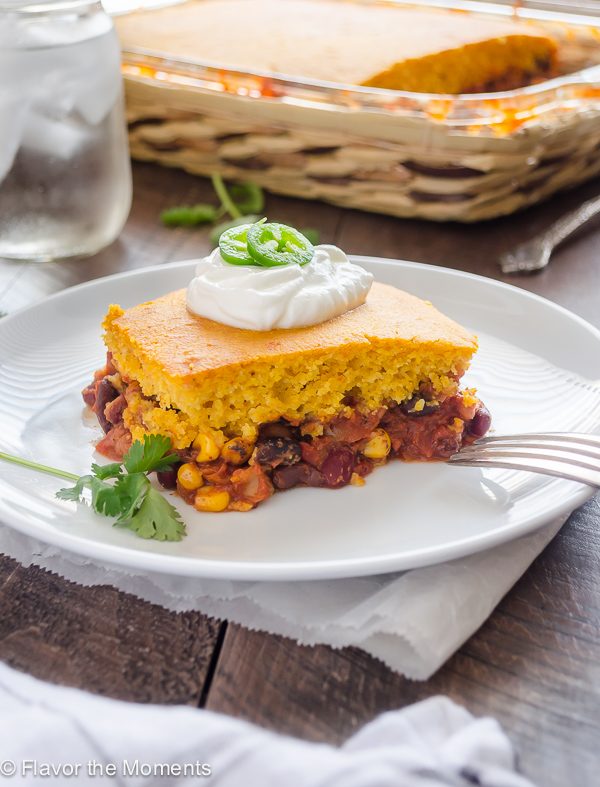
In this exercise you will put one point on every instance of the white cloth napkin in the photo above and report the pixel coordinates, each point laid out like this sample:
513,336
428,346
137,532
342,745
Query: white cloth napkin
94,740
413,621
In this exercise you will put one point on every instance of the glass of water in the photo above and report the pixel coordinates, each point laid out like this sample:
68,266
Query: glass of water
65,175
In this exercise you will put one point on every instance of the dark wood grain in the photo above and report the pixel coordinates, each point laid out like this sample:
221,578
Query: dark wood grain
534,665
102,640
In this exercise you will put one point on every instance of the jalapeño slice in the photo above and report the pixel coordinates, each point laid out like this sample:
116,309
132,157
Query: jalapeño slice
274,244
233,246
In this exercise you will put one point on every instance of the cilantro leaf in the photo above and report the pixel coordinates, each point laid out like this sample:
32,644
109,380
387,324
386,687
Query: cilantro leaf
156,518
112,470
248,196
134,458
240,201
73,493
104,498
190,215
149,455
123,491
164,462
132,489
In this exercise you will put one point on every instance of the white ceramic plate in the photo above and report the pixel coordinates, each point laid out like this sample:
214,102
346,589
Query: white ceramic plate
407,515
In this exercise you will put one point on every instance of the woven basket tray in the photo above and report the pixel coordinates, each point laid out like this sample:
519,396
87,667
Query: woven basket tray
441,158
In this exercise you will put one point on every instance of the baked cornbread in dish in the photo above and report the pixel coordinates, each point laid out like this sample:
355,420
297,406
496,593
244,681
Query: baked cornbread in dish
254,411
371,44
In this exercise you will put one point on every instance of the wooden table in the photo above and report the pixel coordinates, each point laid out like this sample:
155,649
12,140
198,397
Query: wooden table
534,665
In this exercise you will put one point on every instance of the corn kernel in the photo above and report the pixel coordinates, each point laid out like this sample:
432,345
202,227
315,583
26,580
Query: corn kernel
469,397
189,476
378,446
240,505
236,451
419,405
457,425
357,480
249,433
207,448
211,498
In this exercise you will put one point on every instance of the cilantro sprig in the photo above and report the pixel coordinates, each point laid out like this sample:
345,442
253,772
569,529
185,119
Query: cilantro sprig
242,202
122,490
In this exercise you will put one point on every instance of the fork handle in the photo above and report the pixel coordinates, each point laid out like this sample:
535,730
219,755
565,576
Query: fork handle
534,254
571,222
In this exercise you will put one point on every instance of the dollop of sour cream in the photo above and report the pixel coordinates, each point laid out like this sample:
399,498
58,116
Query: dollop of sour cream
289,296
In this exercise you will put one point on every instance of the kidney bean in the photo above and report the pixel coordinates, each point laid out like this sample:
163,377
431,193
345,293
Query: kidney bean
480,423
105,393
337,468
276,451
168,477
300,473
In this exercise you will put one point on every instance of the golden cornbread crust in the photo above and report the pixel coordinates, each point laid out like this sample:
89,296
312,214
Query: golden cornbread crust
197,375
375,45
253,413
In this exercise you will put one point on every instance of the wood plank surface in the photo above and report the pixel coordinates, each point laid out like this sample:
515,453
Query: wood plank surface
534,665
102,640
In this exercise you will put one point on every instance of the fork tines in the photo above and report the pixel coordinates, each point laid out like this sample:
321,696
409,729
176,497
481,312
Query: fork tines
564,454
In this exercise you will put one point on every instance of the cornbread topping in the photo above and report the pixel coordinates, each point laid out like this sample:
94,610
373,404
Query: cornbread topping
284,296
252,412
377,45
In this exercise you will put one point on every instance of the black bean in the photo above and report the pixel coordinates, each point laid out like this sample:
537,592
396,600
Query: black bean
407,408
275,451
277,429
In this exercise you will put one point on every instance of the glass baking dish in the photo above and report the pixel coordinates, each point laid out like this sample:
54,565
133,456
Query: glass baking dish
497,113
445,142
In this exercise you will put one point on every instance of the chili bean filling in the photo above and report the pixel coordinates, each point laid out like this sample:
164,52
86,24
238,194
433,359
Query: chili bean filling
330,455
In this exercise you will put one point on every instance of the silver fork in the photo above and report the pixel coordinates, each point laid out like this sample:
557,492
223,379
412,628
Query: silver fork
564,454
535,253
